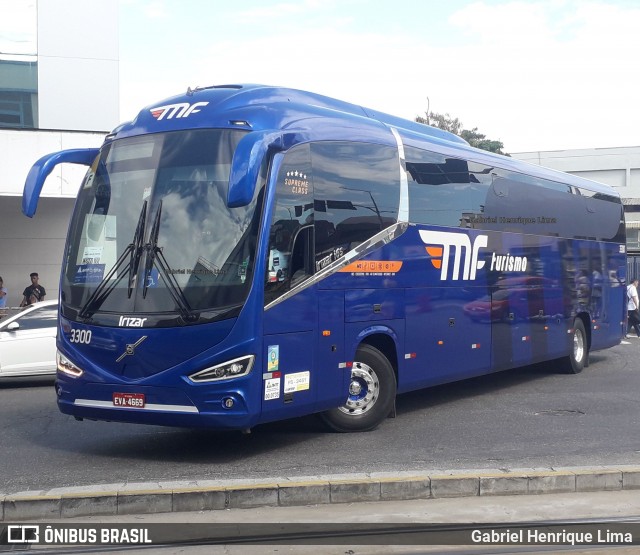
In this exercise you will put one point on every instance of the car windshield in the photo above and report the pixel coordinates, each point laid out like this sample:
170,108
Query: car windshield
152,234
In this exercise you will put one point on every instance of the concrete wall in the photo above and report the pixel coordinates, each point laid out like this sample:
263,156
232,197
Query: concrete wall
20,149
78,64
32,245
78,102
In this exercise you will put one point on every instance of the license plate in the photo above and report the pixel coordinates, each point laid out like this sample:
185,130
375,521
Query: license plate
129,400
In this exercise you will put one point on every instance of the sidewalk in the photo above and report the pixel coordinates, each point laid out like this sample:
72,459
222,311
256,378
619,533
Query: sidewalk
329,493
508,511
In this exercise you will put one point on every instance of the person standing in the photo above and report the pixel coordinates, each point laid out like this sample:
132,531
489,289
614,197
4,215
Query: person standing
632,307
34,293
3,295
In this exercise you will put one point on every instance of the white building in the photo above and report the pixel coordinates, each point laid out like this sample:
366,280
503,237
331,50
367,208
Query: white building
59,89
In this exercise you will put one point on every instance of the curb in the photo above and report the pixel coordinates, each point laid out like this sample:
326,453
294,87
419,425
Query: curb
202,495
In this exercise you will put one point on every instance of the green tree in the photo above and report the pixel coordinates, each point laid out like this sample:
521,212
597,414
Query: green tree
455,126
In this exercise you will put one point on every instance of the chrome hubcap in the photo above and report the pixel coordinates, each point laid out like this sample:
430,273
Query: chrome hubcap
363,390
578,346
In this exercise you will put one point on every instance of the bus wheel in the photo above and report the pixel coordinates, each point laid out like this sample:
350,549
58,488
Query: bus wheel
577,358
372,391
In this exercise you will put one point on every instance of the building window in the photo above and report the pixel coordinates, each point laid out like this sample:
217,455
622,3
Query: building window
633,232
18,65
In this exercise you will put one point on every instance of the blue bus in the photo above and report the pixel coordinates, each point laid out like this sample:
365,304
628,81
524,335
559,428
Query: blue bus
244,254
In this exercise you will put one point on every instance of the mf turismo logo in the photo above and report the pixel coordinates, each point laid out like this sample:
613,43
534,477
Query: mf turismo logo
439,245
181,110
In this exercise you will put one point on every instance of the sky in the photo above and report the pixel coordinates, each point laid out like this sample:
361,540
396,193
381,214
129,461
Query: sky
536,74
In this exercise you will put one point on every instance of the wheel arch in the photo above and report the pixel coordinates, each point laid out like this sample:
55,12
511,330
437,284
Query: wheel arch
385,340
374,379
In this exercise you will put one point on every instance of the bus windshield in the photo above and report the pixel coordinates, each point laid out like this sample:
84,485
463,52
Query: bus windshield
152,234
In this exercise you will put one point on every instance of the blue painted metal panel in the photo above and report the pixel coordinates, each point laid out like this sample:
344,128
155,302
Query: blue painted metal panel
369,305
443,341
453,303
501,318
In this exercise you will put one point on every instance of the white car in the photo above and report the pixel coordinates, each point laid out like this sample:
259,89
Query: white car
28,340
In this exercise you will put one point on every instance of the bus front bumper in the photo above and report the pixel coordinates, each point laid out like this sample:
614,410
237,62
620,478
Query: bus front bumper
163,406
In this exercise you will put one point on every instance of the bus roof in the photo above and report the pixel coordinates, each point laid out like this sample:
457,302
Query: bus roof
256,107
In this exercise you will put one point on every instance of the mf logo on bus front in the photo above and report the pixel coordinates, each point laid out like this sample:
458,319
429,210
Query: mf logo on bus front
180,110
439,247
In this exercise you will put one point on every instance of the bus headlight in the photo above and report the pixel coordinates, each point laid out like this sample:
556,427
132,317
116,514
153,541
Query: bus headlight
67,367
230,369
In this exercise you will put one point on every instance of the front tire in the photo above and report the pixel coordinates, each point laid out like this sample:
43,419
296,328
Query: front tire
372,392
579,350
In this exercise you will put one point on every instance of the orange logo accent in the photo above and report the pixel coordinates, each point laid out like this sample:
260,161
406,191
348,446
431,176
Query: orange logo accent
373,267
436,252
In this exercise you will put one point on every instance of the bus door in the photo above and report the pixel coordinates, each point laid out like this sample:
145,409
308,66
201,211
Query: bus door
290,314
304,352
288,351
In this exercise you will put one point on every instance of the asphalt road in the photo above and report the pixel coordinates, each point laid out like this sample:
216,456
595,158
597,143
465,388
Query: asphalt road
530,417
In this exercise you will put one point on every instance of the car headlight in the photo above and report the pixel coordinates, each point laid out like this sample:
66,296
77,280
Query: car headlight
230,369
67,367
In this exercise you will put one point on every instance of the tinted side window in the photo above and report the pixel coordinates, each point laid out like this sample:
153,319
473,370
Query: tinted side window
526,204
445,191
357,194
293,213
459,193
605,215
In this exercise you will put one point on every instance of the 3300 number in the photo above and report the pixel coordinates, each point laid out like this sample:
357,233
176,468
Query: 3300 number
80,336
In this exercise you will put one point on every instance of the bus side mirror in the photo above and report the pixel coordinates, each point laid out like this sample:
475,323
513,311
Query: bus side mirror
246,164
43,167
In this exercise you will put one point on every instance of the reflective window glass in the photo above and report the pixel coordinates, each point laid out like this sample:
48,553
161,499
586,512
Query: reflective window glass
357,194
291,225
18,64
445,191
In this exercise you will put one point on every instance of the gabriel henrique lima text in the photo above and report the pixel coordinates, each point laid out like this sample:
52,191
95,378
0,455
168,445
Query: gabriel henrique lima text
561,537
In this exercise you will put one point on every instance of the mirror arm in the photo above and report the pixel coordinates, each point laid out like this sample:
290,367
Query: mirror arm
44,166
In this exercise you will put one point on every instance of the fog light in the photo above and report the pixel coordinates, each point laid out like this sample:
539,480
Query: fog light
227,402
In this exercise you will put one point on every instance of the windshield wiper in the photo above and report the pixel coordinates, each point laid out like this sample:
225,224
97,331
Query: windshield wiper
134,251
155,257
